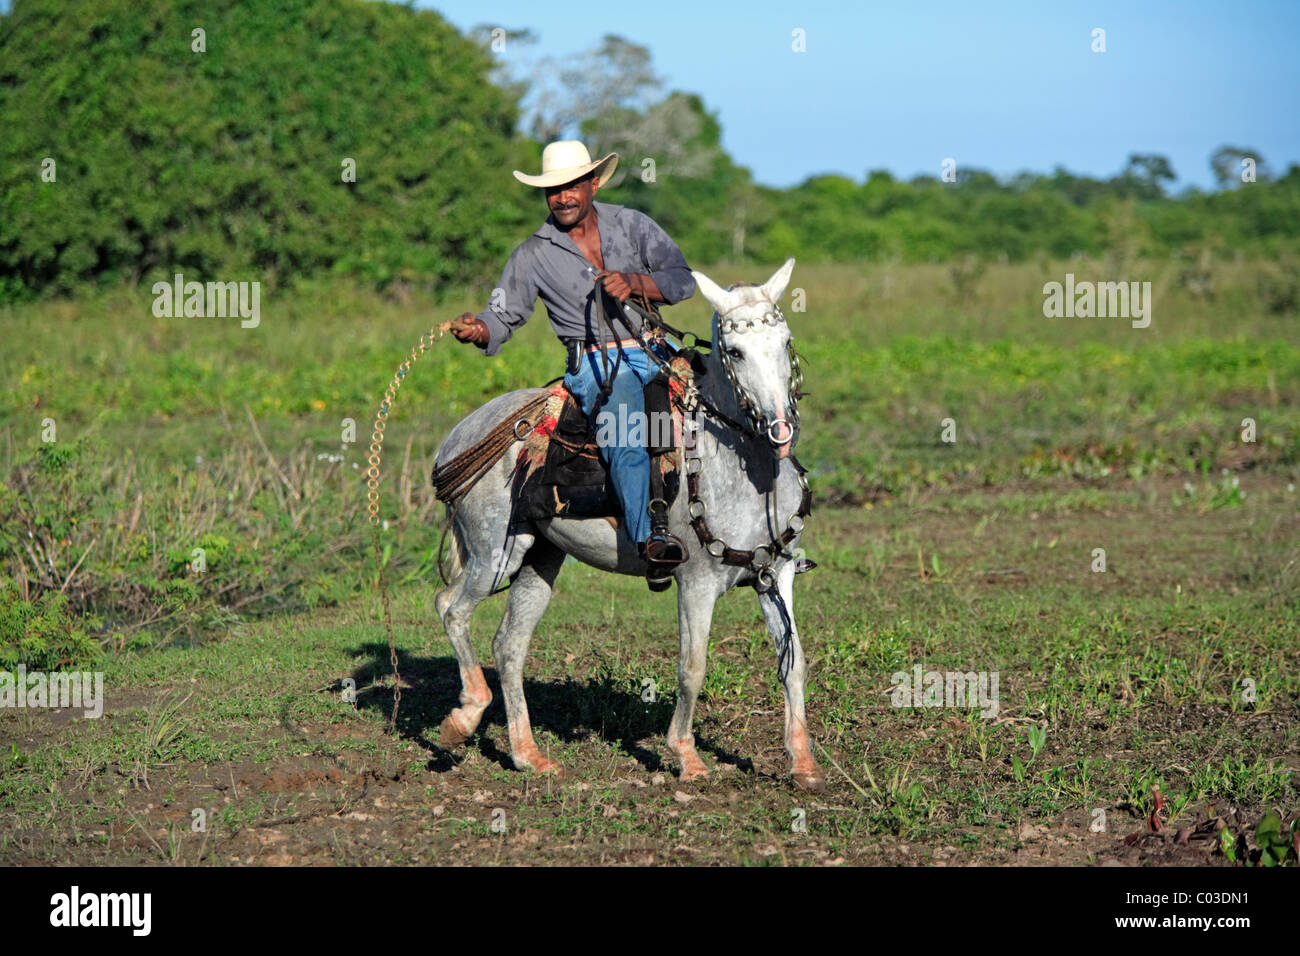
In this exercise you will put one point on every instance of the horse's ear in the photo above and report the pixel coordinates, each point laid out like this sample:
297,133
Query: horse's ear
716,296
774,287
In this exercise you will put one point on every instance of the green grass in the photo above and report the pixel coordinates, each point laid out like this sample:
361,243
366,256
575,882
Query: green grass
1122,681
224,688
890,354
176,434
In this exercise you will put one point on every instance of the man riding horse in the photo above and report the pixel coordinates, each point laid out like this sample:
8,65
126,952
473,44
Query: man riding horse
582,247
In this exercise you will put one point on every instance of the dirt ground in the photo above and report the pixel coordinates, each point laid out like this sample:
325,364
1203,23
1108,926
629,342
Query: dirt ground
240,752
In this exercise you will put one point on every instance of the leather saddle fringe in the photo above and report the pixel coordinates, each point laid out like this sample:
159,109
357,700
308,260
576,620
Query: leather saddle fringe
453,479
559,470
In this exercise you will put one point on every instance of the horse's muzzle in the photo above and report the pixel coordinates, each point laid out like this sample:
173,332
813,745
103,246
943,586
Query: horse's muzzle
779,433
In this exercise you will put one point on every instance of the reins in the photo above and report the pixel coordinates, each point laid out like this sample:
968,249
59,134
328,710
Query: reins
650,316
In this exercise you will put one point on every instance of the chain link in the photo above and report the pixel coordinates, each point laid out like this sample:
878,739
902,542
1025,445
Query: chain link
372,494
377,438
760,559
794,383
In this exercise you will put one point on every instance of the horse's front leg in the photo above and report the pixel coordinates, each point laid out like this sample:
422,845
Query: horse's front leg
695,615
792,669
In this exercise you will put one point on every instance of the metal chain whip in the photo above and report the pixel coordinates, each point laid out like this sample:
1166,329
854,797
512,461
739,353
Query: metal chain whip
372,483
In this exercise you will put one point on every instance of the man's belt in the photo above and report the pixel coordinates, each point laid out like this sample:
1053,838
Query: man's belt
576,346
607,345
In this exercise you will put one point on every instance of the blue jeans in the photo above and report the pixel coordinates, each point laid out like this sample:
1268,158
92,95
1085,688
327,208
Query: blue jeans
629,461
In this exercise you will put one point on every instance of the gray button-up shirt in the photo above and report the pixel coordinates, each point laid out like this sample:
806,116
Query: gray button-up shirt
548,263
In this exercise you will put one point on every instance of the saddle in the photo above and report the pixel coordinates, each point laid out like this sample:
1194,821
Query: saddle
559,471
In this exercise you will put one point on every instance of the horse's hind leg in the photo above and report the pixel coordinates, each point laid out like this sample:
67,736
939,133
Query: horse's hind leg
529,595
484,570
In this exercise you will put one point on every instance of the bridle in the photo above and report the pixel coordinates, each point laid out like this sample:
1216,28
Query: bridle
758,425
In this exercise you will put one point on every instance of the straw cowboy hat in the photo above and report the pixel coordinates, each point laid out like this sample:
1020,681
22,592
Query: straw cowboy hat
566,160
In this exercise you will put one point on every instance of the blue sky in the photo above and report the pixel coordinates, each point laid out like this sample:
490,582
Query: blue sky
1003,86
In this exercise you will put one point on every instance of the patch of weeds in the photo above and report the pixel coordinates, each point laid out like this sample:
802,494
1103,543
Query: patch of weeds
904,804
1235,778
161,734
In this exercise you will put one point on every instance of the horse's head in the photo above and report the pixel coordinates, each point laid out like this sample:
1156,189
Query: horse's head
753,351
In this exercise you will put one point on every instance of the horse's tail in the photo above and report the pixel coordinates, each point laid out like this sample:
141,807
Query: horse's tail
457,556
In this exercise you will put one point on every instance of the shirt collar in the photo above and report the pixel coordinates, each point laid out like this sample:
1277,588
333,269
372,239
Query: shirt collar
605,213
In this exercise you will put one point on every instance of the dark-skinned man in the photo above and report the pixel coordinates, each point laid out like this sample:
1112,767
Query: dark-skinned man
580,241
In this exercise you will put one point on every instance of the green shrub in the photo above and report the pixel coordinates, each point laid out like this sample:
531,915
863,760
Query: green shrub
43,634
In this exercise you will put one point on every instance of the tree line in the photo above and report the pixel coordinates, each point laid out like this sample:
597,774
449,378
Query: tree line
307,138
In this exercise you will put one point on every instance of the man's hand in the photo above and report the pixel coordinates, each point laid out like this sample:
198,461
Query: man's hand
623,284
467,328
620,285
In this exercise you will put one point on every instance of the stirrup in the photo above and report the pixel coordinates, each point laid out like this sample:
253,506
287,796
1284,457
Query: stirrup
662,547
658,574
657,583
665,548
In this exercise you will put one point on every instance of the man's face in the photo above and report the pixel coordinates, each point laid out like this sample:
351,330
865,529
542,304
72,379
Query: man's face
570,203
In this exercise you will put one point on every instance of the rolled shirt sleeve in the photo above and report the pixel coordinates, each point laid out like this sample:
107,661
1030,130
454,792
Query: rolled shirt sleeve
664,262
512,301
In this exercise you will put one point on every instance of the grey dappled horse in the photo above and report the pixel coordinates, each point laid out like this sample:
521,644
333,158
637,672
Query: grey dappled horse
745,506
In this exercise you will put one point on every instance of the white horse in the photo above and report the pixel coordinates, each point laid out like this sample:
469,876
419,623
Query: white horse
748,503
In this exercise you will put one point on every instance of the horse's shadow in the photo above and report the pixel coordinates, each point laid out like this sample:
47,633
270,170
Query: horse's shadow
570,709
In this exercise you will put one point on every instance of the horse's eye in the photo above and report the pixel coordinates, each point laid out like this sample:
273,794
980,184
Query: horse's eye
734,353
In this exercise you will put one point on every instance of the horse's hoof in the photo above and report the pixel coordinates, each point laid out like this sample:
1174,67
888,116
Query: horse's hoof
693,769
450,736
814,782
539,764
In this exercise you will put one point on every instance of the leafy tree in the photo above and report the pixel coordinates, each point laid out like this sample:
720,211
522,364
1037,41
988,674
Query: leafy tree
707,203
566,93
1145,175
227,164
506,47
223,155
1227,163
